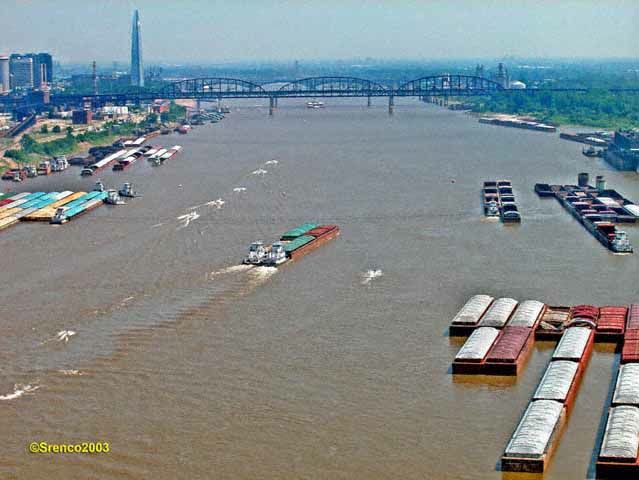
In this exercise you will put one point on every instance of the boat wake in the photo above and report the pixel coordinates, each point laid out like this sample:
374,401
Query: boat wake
271,162
64,335
231,269
187,218
259,171
71,373
239,189
18,391
260,275
369,275
219,203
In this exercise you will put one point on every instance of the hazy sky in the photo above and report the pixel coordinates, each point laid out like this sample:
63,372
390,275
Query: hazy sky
226,30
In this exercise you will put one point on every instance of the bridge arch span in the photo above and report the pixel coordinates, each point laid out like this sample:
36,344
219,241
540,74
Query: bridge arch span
212,87
333,87
458,85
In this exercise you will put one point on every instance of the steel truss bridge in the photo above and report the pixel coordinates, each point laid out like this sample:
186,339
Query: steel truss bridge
218,88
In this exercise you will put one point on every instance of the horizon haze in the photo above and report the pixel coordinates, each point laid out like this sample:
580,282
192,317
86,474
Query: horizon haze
196,31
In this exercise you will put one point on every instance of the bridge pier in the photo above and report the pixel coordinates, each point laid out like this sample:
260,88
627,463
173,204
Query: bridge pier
391,104
368,103
198,105
271,105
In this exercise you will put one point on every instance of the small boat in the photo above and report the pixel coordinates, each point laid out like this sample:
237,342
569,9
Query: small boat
113,198
620,242
127,191
314,104
592,151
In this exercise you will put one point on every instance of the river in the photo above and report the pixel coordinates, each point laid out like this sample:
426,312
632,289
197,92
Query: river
191,367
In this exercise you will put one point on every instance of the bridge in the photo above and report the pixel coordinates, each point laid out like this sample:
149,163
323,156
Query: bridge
218,88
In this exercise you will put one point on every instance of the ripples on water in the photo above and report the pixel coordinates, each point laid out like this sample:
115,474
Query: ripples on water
189,363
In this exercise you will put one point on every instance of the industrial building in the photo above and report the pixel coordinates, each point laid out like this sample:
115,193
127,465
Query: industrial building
623,152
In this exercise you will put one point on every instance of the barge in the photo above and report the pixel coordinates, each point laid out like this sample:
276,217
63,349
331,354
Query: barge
45,214
105,162
505,352
82,205
536,437
513,121
490,199
597,209
292,245
468,317
499,201
620,443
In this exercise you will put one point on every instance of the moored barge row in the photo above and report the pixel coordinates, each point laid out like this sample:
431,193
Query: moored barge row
52,207
507,351
537,435
597,209
618,455
494,348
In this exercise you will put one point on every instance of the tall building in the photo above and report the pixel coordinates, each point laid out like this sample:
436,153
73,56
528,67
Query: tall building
41,68
21,71
137,69
5,82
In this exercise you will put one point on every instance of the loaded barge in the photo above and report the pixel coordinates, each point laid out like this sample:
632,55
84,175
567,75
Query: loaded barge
618,456
597,209
503,331
501,335
499,201
293,244
537,436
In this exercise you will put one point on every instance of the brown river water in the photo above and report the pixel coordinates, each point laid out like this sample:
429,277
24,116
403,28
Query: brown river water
193,368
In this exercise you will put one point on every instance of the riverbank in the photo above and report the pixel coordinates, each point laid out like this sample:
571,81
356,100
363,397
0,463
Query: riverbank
593,109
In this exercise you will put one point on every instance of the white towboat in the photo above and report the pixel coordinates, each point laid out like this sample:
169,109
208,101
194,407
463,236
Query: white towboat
127,191
259,254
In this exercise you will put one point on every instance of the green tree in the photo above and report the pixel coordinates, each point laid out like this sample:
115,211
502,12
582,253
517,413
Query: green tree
69,131
44,128
56,129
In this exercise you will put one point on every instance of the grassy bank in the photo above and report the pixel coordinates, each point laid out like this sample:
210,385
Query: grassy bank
31,151
599,109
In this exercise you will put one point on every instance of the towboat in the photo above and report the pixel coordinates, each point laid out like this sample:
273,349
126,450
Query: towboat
292,244
256,255
113,198
127,191
592,152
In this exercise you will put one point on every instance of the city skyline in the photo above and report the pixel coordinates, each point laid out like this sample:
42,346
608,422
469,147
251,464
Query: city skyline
198,32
